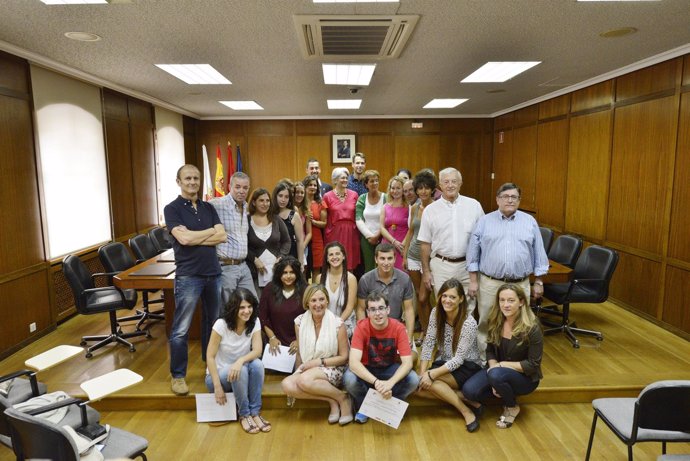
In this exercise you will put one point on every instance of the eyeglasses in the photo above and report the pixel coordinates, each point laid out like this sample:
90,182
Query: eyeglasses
510,198
376,310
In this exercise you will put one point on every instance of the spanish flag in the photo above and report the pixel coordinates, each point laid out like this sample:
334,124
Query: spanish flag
219,185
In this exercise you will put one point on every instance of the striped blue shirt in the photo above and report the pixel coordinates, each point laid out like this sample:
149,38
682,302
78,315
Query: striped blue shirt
507,247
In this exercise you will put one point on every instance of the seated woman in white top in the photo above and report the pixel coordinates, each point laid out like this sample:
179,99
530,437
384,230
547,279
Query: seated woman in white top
233,359
341,285
324,350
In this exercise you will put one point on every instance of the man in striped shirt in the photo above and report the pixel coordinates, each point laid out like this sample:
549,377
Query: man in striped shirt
505,247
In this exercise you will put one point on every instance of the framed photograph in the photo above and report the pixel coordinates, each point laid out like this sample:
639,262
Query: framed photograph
343,148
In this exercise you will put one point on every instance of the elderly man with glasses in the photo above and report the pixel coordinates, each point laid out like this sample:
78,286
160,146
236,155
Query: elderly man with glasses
380,356
505,247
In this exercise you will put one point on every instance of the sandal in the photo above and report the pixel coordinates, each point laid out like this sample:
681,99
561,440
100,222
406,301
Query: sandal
248,425
264,426
508,417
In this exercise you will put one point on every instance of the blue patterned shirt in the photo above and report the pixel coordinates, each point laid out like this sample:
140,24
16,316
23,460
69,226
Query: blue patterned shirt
356,185
236,225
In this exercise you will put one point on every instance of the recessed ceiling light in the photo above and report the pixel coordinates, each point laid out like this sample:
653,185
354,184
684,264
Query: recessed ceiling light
73,2
242,105
618,32
344,103
499,71
356,1
83,36
195,74
348,74
444,103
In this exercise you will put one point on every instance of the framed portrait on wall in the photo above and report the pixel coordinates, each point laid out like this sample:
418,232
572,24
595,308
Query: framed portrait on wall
343,148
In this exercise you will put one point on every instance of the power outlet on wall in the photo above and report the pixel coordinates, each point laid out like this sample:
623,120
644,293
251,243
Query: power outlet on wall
32,327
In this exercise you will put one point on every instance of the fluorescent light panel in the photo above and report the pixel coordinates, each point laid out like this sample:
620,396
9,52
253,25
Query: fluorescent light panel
72,2
242,105
348,74
356,1
444,103
344,103
195,74
499,71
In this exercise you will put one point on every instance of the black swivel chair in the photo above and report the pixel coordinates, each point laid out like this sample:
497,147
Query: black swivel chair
546,237
565,250
91,300
159,237
661,413
143,249
590,284
37,438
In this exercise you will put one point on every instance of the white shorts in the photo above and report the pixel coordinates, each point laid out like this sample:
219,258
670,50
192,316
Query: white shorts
414,265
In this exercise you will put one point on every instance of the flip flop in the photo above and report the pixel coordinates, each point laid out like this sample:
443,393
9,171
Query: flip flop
264,426
248,425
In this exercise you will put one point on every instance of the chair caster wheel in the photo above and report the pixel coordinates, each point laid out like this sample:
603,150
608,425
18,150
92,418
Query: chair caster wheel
148,335
576,345
83,343
132,349
89,355
600,338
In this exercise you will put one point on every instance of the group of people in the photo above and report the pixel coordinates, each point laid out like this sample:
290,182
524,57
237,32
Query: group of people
375,259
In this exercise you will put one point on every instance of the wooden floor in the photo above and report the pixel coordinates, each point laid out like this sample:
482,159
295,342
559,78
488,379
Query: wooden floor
554,423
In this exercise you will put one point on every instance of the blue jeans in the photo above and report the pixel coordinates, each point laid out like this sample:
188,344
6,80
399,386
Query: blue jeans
233,277
507,382
247,388
188,290
358,388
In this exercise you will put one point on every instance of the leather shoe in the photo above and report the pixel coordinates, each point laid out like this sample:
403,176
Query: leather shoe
473,426
478,411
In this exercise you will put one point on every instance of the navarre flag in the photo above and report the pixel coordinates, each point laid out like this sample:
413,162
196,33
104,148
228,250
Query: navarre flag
231,165
208,186
239,159
219,184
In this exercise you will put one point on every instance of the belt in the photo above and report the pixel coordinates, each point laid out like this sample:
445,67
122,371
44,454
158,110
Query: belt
505,279
230,261
451,260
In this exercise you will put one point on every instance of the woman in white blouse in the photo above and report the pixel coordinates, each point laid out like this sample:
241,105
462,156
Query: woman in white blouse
367,217
452,333
233,359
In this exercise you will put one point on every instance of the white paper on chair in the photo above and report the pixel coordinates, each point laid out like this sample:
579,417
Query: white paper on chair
389,412
283,361
208,410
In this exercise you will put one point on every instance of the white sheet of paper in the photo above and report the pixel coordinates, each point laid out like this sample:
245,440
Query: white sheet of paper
389,412
269,261
282,362
207,410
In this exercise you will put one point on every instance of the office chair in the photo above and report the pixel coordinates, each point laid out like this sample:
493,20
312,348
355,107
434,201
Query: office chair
565,250
159,237
143,249
91,300
546,237
590,284
661,413
37,438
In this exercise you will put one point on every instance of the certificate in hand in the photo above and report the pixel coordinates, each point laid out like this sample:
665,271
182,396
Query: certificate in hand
282,362
208,410
389,412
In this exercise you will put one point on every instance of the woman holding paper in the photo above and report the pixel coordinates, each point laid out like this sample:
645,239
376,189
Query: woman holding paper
233,360
341,285
323,348
450,355
267,240
281,303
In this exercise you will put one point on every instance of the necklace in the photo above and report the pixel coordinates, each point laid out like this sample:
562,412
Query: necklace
342,195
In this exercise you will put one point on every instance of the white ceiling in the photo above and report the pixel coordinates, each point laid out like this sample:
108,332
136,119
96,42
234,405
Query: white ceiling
254,43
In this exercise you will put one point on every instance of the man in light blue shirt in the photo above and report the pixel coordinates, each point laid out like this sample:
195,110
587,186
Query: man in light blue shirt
505,247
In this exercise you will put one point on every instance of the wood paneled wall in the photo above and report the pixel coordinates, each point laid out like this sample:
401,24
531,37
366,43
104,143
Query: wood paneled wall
24,271
275,149
611,163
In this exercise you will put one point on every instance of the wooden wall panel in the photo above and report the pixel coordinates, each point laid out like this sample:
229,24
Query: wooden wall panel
644,141
525,164
676,294
318,147
552,172
637,282
21,244
379,152
120,177
594,96
554,107
464,152
661,77
269,159
686,70
404,126
417,152
679,238
526,115
589,163
503,158
14,74
23,301
504,121
144,176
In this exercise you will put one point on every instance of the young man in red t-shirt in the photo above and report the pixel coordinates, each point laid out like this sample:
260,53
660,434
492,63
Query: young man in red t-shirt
380,356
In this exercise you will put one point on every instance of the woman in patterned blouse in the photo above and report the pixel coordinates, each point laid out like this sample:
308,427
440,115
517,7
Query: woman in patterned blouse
450,355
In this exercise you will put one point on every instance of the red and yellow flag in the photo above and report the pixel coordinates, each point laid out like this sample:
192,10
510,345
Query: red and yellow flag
219,185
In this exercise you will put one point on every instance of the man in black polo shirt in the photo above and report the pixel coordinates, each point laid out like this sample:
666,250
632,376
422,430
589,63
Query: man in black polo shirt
196,230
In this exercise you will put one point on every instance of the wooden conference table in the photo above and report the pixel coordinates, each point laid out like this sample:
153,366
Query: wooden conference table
558,273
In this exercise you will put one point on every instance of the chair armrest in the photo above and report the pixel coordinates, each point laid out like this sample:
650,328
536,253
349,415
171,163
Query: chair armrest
64,403
30,374
139,261
109,275
576,282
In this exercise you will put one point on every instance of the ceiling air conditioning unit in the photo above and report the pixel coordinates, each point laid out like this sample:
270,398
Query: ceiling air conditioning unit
344,38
